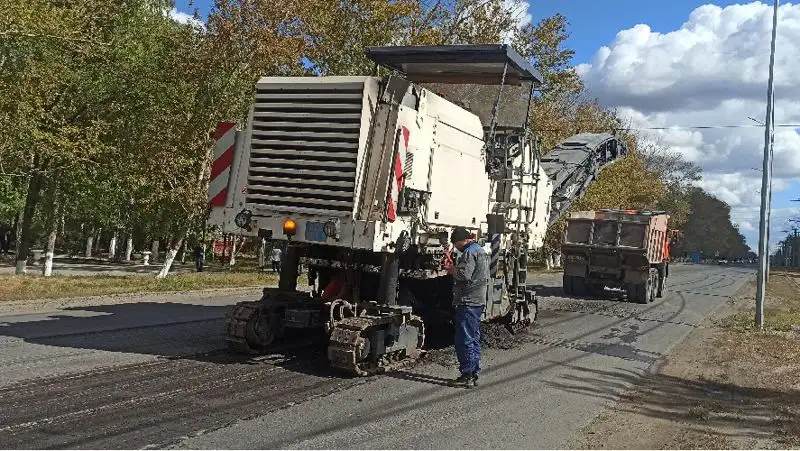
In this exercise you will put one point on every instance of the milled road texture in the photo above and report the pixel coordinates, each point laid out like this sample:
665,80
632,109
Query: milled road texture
154,374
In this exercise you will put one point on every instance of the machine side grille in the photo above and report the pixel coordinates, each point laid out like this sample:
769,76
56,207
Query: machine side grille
304,147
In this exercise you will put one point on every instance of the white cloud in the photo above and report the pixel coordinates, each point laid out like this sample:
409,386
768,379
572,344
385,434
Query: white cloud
711,71
185,18
748,219
520,11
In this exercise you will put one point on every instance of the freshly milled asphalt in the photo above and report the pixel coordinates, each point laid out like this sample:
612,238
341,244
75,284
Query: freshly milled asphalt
152,374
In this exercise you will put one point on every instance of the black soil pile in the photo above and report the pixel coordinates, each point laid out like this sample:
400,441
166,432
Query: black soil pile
498,336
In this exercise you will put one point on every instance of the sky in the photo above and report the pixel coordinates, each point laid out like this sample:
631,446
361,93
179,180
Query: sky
689,63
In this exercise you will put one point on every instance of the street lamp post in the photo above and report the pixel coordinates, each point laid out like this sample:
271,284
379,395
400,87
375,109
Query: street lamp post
766,178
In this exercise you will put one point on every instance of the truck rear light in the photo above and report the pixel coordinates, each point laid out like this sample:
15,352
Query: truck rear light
289,227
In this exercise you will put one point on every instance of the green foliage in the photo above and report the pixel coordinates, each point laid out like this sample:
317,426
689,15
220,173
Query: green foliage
712,230
109,107
12,198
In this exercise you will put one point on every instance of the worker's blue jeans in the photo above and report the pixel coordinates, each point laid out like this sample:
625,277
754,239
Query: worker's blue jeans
468,338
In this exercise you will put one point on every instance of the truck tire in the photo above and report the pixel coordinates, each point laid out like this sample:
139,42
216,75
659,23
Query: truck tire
597,289
632,292
579,286
646,292
654,284
643,291
567,285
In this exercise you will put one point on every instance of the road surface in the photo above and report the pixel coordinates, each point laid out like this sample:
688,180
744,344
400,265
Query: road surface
150,372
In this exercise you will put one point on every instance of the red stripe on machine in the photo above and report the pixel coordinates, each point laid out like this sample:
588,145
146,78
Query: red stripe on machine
399,178
224,143
219,199
391,215
222,128
223,162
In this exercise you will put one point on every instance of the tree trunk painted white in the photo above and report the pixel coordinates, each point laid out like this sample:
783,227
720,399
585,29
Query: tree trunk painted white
22,267
262,254
97,237
112,246
234,242
172,251
129,248
154,251
47,269
24,231
89,245
557,259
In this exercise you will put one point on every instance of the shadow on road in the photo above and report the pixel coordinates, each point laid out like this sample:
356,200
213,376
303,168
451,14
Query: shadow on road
736,411
143,327
176,331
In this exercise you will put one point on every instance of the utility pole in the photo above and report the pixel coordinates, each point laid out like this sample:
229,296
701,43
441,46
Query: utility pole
766,180
769,191
793,242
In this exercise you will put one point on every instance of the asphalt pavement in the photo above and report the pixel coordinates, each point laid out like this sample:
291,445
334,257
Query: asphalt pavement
151,372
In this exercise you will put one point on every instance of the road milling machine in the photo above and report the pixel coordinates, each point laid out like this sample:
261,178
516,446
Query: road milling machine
365,177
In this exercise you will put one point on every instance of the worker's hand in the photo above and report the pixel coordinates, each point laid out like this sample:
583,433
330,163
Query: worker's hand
448,262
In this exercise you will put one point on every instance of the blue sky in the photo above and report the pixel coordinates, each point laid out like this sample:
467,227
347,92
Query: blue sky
595,23
592,26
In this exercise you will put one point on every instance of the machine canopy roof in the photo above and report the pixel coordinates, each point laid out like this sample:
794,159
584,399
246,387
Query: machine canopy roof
457,64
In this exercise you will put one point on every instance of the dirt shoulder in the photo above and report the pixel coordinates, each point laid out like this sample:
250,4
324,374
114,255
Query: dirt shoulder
724,387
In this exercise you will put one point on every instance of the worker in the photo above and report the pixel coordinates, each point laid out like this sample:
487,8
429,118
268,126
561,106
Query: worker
199,256
471,282
276,259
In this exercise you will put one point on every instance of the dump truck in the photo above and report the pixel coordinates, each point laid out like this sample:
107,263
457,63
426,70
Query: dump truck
624,249
364,178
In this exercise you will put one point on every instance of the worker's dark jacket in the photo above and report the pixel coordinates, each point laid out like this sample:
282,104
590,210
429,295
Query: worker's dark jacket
471,277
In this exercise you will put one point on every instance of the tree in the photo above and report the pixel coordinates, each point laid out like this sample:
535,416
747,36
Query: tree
710,230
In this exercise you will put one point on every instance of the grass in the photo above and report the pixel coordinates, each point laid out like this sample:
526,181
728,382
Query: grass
16,288
769,359
781,307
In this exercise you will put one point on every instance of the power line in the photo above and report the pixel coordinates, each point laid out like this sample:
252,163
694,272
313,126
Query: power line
677,127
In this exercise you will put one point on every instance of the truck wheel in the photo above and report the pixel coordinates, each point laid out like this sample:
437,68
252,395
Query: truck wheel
643,292
646,291
567,285
652,285
632,292
597,289
579,286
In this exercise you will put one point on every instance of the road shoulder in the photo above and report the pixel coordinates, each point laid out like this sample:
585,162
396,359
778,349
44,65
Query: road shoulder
723,387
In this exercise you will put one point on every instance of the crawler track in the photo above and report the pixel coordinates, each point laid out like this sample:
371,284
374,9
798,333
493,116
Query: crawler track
349,341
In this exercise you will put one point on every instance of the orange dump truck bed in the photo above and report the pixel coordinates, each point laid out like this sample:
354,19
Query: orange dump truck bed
639,232
618,249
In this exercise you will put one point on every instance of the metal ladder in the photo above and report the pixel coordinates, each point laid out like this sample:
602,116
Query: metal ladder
516,214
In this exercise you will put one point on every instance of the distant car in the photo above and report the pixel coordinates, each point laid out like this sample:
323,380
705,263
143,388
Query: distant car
722,261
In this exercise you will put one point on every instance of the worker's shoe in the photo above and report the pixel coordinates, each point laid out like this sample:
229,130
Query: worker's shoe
465,381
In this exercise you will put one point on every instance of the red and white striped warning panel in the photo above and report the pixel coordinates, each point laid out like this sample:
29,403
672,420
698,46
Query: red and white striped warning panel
225,137
399,177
